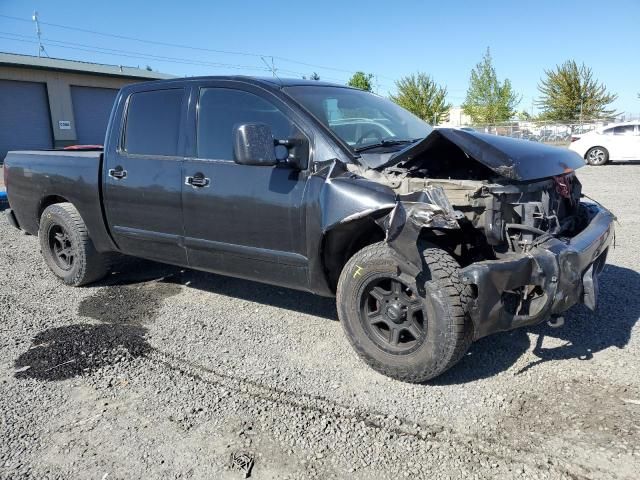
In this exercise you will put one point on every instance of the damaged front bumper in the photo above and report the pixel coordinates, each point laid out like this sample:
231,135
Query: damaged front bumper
526,289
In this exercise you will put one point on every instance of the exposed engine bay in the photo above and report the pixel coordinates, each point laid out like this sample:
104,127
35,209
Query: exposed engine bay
509,212
511,216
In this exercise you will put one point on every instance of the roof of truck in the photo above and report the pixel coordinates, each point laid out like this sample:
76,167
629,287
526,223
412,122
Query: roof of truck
267,81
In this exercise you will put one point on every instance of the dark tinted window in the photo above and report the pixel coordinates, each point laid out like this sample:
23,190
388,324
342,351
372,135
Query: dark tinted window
624,130
153,120
221,109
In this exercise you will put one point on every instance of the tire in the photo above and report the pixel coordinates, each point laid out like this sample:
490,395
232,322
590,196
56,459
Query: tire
597,156
437,306
67,248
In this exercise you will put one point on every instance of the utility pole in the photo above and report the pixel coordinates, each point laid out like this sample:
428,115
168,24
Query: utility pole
532,108
271,66
41,49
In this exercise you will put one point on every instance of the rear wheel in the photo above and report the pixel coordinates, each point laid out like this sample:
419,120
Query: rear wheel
67,248
407,330
597,156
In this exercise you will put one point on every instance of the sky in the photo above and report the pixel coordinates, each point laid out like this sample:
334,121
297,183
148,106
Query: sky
390,39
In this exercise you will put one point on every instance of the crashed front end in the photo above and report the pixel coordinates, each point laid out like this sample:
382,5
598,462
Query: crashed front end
529,247
549,276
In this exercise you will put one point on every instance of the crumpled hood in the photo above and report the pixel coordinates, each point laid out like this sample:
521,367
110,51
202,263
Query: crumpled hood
520,160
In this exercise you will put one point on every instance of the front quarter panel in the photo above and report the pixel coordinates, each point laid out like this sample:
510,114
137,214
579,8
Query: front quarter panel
335,197
347,198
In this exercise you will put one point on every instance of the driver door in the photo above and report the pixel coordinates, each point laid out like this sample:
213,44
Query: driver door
242,220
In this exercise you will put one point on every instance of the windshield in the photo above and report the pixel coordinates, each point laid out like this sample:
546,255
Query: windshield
359,118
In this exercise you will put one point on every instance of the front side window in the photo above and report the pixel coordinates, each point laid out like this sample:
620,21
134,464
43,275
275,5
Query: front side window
153,122
359,118
220,110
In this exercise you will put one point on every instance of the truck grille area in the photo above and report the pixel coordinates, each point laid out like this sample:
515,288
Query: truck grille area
517,216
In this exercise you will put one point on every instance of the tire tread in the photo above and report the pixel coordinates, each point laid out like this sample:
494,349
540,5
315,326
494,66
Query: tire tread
94,265
444,271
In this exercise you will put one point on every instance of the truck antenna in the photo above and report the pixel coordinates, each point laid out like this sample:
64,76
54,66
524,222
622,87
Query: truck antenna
41,49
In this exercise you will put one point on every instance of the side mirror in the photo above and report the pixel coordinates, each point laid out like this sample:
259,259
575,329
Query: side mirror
253,145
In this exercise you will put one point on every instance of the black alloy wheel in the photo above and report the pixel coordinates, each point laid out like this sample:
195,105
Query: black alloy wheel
67,248
392,315
61,246
409,328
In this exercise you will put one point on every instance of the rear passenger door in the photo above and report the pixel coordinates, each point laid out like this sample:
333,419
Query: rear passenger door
624,143
242,220
636,144
143,179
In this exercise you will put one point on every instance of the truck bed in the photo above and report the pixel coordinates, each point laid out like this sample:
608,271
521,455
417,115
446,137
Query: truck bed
35,179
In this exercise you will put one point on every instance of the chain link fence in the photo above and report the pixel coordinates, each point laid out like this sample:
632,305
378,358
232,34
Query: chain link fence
555,133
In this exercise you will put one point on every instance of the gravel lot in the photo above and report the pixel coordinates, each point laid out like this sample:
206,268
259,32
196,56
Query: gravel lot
160,372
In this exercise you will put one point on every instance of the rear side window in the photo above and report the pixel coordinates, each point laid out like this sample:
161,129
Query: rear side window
153,120
221,109
624,130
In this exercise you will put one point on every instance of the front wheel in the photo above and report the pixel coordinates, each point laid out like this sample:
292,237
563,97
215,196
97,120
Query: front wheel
403,329
597,156
67,248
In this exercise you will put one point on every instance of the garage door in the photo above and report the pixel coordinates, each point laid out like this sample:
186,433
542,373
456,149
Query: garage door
91,110
25,122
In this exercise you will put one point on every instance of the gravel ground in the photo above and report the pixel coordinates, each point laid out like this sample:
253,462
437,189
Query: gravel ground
159,372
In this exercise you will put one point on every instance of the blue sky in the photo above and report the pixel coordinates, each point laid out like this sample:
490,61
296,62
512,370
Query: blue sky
390,39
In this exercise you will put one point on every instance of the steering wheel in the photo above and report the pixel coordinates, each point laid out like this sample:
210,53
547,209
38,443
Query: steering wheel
375,133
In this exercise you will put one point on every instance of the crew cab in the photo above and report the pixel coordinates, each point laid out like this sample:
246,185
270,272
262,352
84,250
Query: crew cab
428,238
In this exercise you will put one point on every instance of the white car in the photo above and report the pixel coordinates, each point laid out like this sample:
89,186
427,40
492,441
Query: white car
613,142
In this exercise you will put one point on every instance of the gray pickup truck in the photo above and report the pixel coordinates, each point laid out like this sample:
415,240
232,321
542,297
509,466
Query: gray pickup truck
429,238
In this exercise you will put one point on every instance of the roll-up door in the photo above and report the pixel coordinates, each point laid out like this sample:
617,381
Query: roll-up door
25,122
91,110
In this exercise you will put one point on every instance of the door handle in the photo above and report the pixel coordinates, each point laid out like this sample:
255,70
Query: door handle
198,180
117,173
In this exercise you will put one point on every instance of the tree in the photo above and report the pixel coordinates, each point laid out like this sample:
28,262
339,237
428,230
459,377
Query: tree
488,100
362,81
570,93
313,76
423,97
523,115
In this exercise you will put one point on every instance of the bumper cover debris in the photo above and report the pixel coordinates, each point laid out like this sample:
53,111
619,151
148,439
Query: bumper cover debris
428,208
526,289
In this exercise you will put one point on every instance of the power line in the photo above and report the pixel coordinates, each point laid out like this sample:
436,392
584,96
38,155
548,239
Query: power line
189,47
148,56
126,53
135,39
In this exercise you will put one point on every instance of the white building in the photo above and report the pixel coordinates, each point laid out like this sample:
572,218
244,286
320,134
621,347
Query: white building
457,118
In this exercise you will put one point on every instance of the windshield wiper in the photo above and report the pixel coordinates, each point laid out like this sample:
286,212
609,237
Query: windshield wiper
387,142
